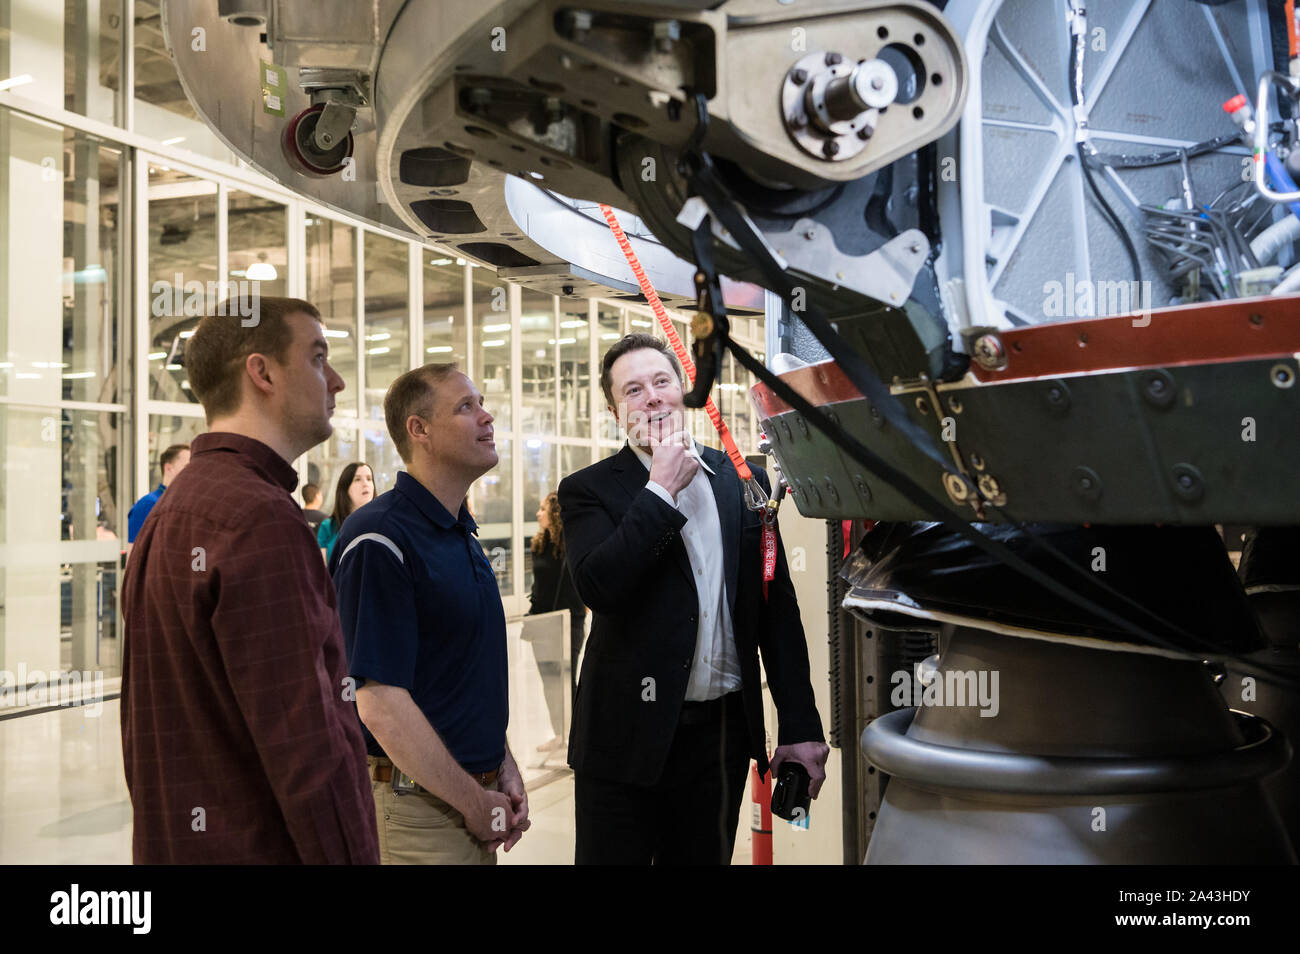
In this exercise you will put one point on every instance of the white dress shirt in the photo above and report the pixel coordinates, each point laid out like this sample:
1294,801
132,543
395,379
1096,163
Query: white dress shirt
716,669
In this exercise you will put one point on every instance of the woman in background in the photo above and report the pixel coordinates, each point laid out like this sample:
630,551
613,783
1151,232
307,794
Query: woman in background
553,589
356,487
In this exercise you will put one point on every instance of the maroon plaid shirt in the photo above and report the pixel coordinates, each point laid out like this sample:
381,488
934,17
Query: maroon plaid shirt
238,744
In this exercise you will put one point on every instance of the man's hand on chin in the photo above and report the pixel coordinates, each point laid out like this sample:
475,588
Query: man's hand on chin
671,465
811,755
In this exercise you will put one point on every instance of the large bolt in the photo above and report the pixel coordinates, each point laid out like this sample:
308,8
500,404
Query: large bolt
830,148
989,352
666,31
799,77
833,59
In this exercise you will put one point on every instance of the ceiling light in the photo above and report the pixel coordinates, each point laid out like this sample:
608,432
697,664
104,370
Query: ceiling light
383,350
493,344
635,323
382,336
610,336
493,329
573,324
441,261
262,272
460,261
173,141
329,333
438,349
79,374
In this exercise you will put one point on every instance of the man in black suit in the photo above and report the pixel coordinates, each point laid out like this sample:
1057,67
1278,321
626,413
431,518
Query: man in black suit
669,709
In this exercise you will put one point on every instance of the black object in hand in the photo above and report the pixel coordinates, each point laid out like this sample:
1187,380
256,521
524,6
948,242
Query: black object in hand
790,795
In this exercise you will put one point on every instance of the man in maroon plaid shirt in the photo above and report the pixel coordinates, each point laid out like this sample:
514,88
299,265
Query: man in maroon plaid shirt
240,738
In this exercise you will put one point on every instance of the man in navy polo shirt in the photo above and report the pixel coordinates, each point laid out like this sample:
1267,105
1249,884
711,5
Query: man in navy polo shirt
426,636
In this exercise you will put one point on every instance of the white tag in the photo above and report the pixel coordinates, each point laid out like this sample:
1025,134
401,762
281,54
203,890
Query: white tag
693,213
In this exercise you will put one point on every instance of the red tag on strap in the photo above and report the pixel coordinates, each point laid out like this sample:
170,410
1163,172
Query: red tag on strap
769,554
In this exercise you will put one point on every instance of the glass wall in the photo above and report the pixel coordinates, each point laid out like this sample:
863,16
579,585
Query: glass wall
182,270
62,401
257,244
445,329
387,267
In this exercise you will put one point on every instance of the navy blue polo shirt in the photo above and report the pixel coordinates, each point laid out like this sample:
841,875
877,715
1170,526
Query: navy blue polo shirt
421,610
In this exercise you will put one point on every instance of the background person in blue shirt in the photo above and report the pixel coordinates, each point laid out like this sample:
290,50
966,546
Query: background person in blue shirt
356,488
172,461
426,635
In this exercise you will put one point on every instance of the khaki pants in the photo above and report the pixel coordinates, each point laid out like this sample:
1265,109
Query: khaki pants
419,828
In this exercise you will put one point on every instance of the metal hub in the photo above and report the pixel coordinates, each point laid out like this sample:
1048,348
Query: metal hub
831,105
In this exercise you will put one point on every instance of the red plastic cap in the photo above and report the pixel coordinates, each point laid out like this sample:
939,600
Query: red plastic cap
1234,104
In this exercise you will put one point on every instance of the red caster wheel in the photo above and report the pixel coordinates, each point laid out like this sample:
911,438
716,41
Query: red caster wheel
301,152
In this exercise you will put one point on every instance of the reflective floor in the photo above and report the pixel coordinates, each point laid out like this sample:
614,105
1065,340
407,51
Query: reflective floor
63,797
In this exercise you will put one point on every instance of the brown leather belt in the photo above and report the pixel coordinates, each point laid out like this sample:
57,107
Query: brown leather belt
381,770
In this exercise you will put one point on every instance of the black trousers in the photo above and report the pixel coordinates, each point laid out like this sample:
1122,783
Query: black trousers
687,817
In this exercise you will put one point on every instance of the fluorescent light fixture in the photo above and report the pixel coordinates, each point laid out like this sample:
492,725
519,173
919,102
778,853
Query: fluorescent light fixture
173,141
186,385
384,350
90,275
573,324
637,323
173,367
460,261
188,334
493,344
381,336
11,82
157,355
332,333
533,443
438,349
493,329
441,261
262,272
539,353
238,273
79,374
610,336
48,364
6,364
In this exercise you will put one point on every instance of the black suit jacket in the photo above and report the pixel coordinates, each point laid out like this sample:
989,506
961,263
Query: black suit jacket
630,566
